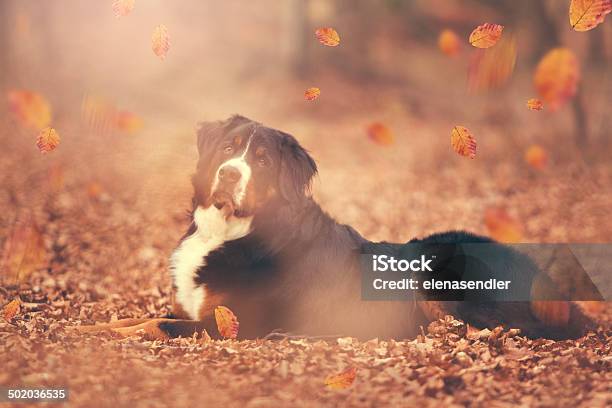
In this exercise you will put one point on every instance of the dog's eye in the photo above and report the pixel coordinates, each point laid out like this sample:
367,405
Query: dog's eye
228,149
262,162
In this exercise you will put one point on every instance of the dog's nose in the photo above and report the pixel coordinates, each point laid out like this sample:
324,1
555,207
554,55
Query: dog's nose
229,174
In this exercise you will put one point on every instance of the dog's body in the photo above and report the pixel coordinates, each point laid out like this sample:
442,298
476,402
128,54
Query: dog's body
260,245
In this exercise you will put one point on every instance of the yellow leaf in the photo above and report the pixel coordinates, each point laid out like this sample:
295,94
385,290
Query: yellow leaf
10,310
486,35
32,110
380,134
535,104
122,7
160,41
556,77
341,380
536,157
463,142
47,140
227,322
327,36
128,122
493,67
502,227
449,42
312,93
23,251
584,15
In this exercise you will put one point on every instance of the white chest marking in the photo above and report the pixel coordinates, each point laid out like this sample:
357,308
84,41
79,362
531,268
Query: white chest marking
212,230
243,167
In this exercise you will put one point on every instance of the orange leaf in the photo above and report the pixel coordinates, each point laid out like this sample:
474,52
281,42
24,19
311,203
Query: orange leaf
341,380
493,67
94,189
556,77
327,36
31,109
160,41
486,35
463,142
536,157
128,122
10,310
23,251
312,93
227,322
502,226
122,7
535,104
380,134
449,42
584,15
47,140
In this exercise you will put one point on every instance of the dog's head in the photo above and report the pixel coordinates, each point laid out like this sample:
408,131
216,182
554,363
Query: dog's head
244,167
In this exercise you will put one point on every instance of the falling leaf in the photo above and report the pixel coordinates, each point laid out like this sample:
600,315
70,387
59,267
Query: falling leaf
47,140
463,142
94,189
492,68
227,322
502,226
128,122
486,35
328,36
553,313
449,42
380,134
23,251
160,41
123,7
10,310
342,380
30,108
535,104
536,157
584,15
312,93
98,114
556,77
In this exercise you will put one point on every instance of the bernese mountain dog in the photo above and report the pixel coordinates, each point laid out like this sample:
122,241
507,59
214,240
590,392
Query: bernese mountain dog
259,244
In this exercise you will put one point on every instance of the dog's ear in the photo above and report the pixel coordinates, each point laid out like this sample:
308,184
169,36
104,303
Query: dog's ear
297,169
209,133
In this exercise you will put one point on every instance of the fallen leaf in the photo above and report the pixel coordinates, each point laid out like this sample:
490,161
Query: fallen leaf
584,15
341,380
449,42
312,93
502,227
128,122
327,36
47,140
10,310
122,8
32,109
556,77
380,134
536,157
492,68
486,35
463,142
535,104
23,251
227,322
160,41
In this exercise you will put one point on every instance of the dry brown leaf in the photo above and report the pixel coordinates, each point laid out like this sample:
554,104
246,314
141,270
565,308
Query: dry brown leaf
341,380
535,104
502,227
160,41
312,93
556,77
449,42
48,139
11,309
327,36
536,157
493,67
31,109
23,251
463,142
584,15
128,122
380,134
122,8
227,322
486,35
